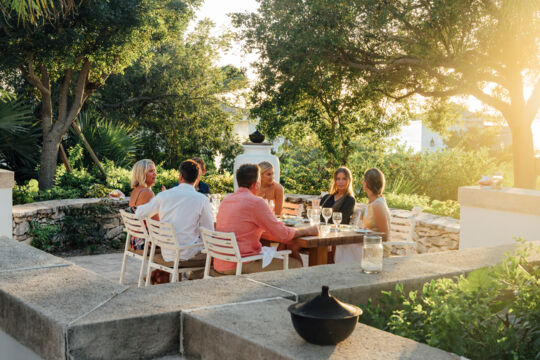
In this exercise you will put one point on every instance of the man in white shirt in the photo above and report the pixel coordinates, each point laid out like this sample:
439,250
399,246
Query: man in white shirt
186,209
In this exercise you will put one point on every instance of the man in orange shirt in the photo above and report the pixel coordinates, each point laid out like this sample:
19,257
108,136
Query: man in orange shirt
248,216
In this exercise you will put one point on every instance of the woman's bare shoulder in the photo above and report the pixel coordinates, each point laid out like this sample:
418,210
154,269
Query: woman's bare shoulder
278,187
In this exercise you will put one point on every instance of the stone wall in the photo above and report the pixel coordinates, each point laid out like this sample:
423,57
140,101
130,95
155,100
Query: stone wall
53,212
432,233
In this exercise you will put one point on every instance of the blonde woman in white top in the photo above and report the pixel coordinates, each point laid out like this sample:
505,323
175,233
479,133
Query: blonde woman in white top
377,217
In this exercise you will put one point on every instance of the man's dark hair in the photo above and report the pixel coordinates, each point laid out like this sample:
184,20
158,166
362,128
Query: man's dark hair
189,170
247,174
200,161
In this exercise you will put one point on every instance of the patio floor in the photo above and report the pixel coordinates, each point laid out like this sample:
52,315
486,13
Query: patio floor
109,265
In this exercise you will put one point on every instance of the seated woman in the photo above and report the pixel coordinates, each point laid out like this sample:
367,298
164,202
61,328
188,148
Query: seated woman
341,196
270,190
377,217
143,177
340,199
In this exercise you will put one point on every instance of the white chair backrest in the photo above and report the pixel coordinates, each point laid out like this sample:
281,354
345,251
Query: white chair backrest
221,245
134,226
162,234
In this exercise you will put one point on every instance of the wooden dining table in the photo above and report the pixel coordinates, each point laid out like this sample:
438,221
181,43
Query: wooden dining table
317,246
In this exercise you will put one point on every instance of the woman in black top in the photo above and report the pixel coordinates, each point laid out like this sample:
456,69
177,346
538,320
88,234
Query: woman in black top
341,196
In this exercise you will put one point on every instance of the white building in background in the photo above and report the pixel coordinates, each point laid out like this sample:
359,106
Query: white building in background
421,138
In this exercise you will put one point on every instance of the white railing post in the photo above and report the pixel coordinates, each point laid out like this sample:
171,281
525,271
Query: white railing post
6,186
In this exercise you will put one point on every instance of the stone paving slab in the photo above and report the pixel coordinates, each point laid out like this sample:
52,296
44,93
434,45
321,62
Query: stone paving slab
18,256
264,330
109,265
144,322
37,305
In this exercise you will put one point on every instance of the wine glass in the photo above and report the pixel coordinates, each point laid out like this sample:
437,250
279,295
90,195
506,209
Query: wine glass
336,217
327,214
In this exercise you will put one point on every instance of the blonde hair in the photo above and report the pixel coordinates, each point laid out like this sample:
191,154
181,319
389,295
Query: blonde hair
375,181
265,166
138,174
348,175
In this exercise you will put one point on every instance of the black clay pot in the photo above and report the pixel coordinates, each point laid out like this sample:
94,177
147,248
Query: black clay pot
256,137
324,320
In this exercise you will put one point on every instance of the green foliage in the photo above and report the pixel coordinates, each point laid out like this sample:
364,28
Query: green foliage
19,137
44,235
220,183
492,313
80,230
109,140
83,183
304,169
173,95
299,85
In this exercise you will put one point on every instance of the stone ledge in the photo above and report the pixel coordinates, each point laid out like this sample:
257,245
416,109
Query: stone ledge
7,179
51,205
523,201
119,328
78,314
241,332
17,256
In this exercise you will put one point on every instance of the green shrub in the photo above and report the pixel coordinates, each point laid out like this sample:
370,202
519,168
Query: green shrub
493,313
436,174
220,183
44,235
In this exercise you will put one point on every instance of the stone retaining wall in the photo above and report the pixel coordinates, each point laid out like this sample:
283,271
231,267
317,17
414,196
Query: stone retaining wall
432,233
54,211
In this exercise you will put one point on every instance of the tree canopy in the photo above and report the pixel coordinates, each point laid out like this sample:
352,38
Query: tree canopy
298,84
174,96
65,60
437,49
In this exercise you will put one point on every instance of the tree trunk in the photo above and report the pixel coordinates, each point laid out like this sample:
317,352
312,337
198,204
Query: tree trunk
523,153
49,155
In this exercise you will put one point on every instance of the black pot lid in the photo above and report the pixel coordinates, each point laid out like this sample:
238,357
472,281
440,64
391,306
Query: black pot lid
325,306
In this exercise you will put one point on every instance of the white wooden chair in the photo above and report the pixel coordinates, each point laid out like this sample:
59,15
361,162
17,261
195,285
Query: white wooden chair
134,228
163,235
410,238
223,246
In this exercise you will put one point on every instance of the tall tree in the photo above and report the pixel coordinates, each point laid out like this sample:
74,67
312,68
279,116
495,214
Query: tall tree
434,48
67,59
175,96
298,84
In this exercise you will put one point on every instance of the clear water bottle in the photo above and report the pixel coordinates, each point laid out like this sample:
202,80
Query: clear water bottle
372,254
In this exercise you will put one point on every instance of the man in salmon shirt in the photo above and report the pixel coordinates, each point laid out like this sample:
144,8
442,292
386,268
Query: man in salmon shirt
248,216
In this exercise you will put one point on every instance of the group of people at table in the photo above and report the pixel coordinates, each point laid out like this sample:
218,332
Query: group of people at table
246,212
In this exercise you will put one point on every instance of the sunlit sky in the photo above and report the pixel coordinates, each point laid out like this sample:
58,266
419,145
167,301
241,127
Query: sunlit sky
217,10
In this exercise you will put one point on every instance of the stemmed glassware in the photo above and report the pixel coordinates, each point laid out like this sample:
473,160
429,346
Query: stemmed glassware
336,217
327,214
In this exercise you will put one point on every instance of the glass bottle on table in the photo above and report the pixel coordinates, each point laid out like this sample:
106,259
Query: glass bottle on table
372,254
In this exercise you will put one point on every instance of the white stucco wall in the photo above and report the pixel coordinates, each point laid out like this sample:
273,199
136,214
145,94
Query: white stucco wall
495,217
485,227
6,185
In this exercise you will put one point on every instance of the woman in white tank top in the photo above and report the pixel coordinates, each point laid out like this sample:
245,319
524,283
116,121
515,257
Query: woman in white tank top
376,218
